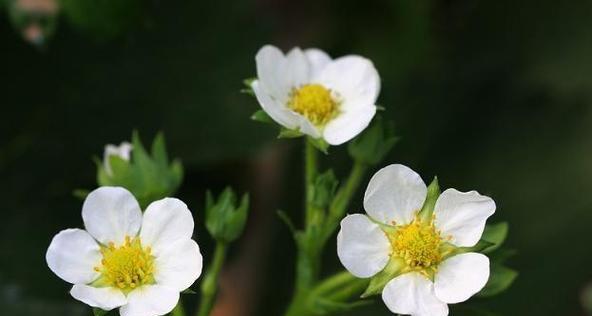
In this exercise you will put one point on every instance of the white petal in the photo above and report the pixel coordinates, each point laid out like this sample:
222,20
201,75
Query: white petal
413,294
362,246
395,193
105,298
281,114
462,216
279,74
151,300
460,277
179,265
353,78
348,124
317,59
165,222
298,68
72,255
110,214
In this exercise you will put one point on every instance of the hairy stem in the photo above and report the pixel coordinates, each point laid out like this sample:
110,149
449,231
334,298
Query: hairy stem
310,173
320,224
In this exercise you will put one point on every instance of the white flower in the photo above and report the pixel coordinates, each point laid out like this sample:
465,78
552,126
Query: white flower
320,97
430,276
122,151
137,262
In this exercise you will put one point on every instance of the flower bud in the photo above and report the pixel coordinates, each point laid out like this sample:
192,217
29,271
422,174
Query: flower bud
225,220
149,176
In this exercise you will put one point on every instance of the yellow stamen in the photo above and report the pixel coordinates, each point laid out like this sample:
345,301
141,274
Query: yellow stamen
315,102
127,266
418,243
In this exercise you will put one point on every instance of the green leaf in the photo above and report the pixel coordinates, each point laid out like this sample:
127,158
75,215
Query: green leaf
500,279
495,234
99,312
262,116
432,196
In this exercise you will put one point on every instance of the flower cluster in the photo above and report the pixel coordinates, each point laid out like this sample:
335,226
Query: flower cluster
419,248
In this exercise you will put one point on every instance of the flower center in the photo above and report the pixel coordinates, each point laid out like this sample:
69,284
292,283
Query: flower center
128,266
418,243
315,102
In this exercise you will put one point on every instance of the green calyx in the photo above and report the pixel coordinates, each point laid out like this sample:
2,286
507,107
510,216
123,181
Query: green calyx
225,219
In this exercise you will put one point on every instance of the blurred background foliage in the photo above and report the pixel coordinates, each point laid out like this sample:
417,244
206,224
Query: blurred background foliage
489,95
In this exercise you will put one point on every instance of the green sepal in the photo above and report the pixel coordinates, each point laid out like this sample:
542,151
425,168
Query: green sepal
262,116
500,279
289,133
495,234
158,151
501,255
430,202
225,220
325,186
189,291
372,146
99,312
80,193
320,144
248,89
379,281
493,237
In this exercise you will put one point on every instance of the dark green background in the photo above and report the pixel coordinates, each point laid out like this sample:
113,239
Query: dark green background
489,95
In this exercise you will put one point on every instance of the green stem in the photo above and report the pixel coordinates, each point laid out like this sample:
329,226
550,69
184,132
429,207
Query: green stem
310,173
333,282
307,261
343,198
310,248
209,286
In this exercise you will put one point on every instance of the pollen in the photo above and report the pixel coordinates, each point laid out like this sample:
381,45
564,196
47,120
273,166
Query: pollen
418,243
315,102
127,266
